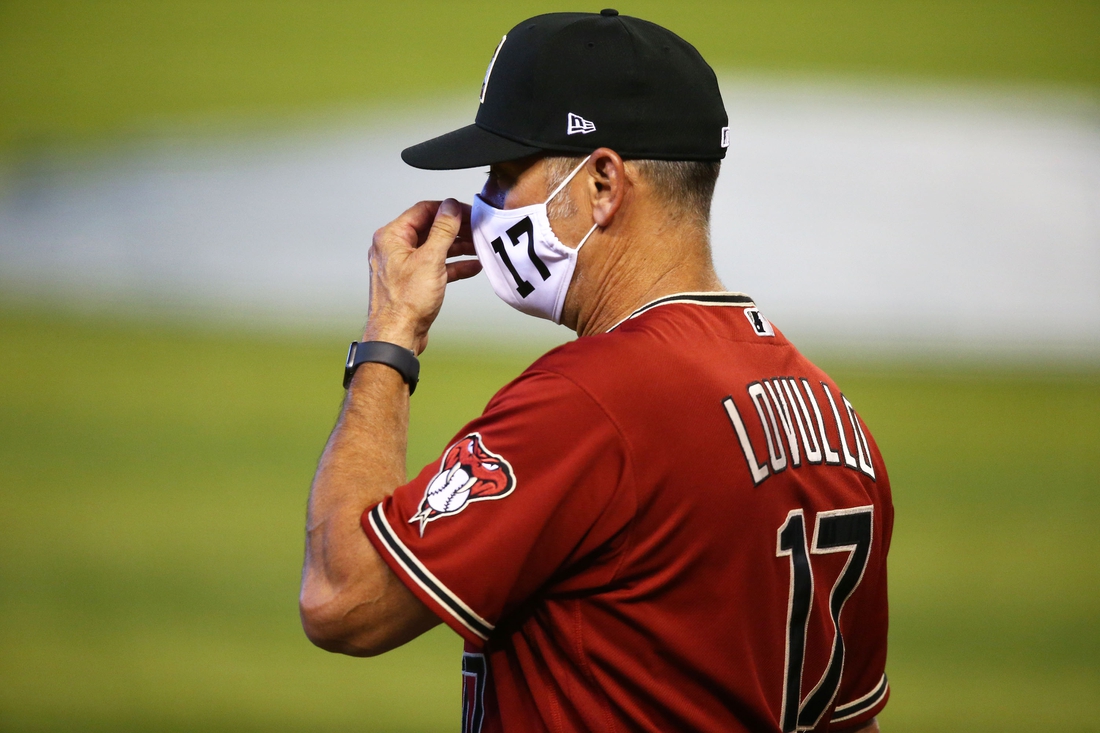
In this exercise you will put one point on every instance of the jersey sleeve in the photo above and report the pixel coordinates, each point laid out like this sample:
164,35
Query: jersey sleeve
533,496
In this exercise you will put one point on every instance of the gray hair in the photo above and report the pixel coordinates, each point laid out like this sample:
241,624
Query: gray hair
684,187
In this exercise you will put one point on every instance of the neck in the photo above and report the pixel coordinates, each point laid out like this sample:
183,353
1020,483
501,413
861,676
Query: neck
631,270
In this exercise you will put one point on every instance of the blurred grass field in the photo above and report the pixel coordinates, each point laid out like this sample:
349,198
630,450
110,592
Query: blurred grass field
76,73
154,478
153,474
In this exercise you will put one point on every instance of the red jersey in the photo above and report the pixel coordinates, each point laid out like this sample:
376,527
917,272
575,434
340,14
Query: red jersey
681,524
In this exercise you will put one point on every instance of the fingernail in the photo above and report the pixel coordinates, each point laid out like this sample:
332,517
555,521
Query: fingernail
449,207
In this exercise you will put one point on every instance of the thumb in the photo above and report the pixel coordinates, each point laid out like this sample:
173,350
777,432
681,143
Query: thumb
445,228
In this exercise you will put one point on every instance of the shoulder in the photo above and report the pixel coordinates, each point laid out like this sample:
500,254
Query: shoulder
581,358
566,389
665,351
556,388
665,338
588,364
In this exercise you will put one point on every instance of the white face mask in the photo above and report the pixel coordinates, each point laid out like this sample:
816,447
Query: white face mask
527,265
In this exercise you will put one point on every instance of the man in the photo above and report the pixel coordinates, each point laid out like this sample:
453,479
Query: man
675,522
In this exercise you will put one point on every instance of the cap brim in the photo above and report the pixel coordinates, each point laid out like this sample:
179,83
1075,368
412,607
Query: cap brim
466,147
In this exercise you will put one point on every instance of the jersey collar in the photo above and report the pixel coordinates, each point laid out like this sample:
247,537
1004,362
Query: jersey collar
739,300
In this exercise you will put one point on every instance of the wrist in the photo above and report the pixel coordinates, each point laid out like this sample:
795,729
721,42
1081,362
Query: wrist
394,332
398,358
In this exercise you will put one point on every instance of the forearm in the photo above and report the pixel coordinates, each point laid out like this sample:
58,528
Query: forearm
362,463
343,579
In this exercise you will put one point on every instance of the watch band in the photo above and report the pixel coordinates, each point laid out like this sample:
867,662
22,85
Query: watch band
383,352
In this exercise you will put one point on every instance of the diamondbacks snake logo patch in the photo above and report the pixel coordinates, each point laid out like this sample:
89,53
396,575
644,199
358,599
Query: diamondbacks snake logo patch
469,472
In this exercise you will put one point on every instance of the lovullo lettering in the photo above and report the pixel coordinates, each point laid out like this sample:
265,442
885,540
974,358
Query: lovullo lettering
796,430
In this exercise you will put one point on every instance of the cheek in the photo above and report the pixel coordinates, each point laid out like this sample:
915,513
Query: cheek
514,198
528,190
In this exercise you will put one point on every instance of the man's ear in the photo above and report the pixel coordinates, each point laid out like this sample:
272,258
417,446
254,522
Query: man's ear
608,184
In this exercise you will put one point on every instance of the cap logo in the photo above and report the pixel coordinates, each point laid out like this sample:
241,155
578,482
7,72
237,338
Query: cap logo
579,126
485,83
725,137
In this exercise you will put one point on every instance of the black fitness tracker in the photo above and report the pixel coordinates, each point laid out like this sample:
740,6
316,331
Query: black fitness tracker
383,352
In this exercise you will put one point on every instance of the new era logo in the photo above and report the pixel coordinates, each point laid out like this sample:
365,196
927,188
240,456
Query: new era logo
579,126
725,137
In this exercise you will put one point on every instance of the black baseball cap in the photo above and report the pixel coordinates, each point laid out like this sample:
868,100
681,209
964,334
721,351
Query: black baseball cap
574,82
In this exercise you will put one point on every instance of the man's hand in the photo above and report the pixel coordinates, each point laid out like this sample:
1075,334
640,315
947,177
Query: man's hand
351,602
409,271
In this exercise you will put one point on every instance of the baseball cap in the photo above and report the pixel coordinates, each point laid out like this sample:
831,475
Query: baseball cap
574,82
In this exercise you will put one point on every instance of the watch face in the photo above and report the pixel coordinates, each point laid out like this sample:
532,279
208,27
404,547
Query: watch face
351,354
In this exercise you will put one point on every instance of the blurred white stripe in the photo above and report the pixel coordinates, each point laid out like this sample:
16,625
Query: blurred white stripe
934,216
876,216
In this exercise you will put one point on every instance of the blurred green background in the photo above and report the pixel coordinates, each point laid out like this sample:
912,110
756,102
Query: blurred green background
83,72
154,473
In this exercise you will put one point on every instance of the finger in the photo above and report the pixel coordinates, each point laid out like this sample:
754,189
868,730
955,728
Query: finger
427,211
448,220
465,231
410,228
461,246
462,269
419,216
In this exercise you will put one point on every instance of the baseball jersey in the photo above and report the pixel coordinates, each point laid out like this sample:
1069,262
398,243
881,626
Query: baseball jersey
681,524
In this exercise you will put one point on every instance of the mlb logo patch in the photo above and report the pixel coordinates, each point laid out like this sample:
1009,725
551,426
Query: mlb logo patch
761,326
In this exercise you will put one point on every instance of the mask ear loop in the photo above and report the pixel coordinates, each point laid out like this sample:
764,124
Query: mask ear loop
586,236
563,185
556,316
565,283
567,179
